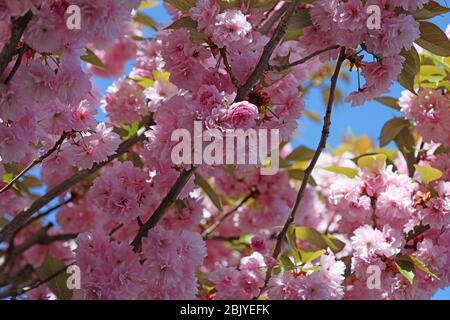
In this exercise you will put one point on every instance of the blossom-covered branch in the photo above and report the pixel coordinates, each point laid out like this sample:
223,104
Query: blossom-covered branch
9,49
320,147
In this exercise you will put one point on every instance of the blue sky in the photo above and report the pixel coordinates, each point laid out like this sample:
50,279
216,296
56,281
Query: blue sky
367,119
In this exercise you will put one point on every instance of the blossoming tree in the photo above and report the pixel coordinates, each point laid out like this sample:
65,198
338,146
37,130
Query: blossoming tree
363,221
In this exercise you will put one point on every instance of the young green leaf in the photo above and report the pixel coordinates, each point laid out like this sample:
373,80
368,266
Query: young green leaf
206,187
314,237
91,58
58,284
428,174
348,172
391,129
433,39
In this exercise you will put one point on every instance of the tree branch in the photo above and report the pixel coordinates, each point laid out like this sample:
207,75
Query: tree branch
234,80
312,164
18,28
168,200
25,289
213,227
17,63
19,220
303,60
35,162
273,19
263,64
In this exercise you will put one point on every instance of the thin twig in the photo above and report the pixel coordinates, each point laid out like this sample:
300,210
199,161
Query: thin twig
263,64
322,143
213,227
33,286
303,60
35,162
17,63
234,80
168,200
47,212
9,50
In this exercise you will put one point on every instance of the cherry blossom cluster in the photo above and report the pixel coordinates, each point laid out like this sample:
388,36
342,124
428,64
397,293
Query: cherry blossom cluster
217,241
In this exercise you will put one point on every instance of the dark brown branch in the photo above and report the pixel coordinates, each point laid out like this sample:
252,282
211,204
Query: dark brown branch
168,200
263,64
303,60
213,227
9,50
417,231
19,220
35,162
322,143
21,291
273,19
234,80
17,63
41,237
47,212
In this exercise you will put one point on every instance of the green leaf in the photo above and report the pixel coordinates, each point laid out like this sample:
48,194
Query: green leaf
296,174
433,39
145,20
407,269
185,22
182,5
286,262
372,162
388,101
3,222
308,256
430,10
346,171
161,76
7,177
314,237
314,117
261,4
31,182
91,58
430,73
206,187
428,174
406,144
411,67
144,82
391,129
58,285
419,264
299,21
147,4
300,154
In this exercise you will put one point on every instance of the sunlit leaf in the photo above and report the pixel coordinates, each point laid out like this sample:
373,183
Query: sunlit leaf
407,270
314,237
58,284
206,187
372,162
428,174
147,4
346,171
